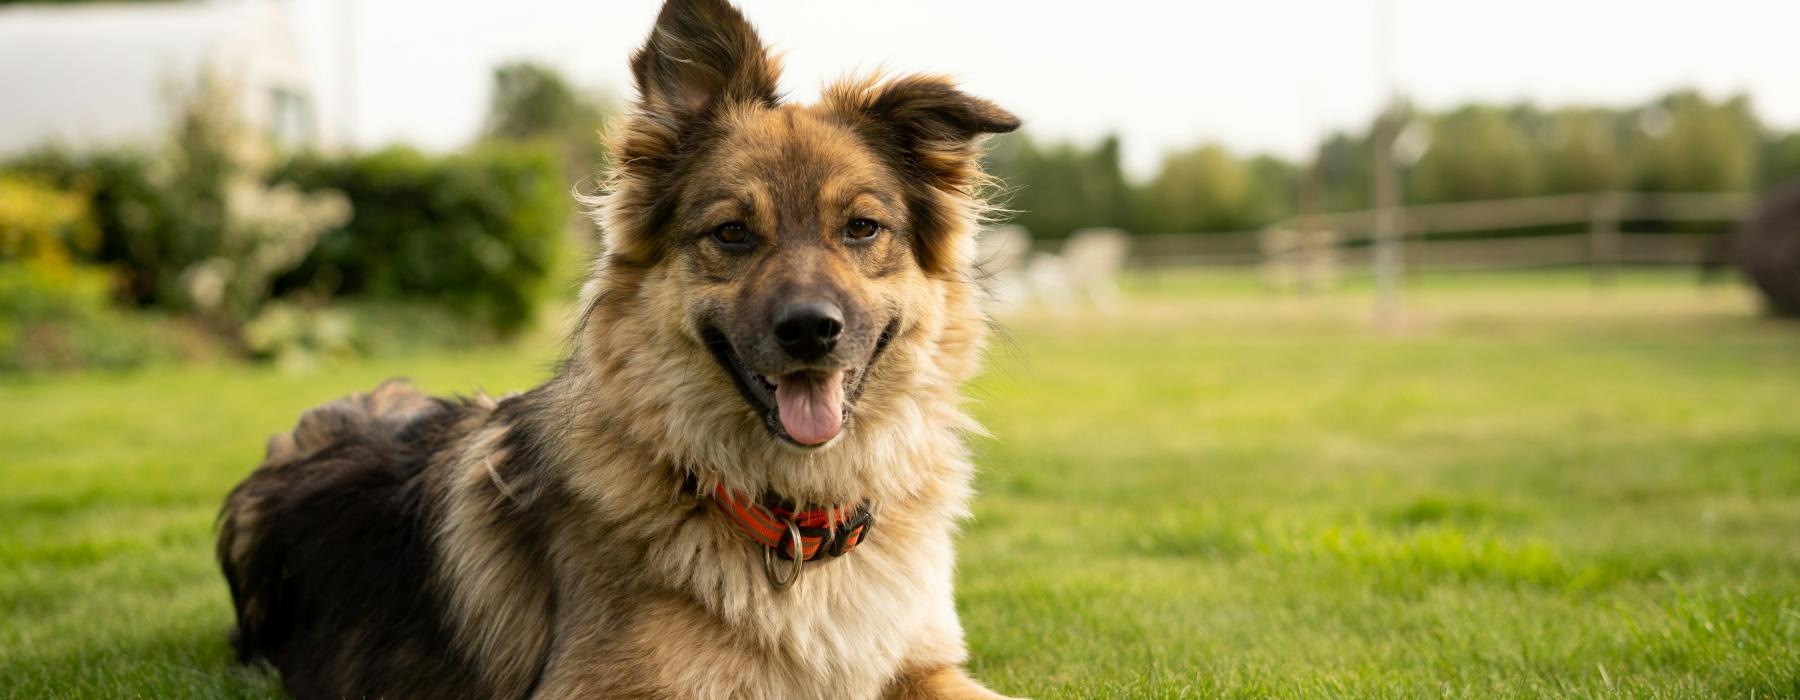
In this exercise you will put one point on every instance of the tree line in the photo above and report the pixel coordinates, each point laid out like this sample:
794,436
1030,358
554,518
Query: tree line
1681,142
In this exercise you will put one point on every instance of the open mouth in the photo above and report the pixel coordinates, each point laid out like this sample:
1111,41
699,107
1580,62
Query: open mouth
806,408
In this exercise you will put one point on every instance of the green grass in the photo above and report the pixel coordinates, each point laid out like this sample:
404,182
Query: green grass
1529,490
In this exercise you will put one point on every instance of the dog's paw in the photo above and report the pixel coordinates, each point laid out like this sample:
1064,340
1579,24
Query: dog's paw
946,683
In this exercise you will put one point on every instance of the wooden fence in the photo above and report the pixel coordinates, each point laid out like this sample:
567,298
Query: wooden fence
1451,236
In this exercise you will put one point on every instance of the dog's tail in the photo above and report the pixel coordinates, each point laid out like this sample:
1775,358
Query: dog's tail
253,560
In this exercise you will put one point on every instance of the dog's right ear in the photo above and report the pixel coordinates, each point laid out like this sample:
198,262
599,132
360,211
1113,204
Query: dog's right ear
701,58
701,55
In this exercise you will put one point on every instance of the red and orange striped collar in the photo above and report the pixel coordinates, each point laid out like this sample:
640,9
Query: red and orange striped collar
826,532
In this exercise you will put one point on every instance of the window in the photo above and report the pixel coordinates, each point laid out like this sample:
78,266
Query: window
290,118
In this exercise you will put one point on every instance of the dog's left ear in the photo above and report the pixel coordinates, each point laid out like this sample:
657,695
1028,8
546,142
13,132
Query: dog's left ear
925,120
930,131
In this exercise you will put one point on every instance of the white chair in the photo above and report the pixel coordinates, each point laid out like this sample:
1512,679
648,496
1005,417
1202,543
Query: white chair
1000,262
1093,258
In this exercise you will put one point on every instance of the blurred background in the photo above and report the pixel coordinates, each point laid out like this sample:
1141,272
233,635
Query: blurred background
1342,329
308,179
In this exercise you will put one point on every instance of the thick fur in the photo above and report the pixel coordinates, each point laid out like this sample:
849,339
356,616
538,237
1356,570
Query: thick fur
545,545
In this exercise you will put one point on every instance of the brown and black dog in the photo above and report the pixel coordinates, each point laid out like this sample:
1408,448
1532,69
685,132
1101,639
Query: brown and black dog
744,480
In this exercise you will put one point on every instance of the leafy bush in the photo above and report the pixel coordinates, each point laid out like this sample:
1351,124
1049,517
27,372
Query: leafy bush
144,232
54,312
190,221
299,337
201,226
62,318
477,231
268,231
42,225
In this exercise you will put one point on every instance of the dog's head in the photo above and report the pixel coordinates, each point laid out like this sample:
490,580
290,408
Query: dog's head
795,250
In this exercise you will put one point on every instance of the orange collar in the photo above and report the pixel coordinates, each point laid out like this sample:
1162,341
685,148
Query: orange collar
827,532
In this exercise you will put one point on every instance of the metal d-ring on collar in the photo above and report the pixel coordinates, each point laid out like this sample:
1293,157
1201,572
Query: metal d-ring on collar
796,551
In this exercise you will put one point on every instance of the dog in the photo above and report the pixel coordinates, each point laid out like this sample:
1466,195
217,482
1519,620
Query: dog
744,480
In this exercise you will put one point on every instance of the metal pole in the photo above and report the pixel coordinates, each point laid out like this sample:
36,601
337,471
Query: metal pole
1310,200
1388,263
346,74
1604,211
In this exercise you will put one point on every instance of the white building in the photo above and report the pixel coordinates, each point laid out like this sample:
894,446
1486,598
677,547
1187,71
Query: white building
91,74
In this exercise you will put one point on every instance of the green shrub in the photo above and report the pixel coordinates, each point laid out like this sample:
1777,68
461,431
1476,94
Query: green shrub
145,231
298,337
59,318
268,231
199,225
42,225
399,329
54,311
476,231
189,220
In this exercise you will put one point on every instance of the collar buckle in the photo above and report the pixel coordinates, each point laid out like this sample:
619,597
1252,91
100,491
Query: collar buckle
794,553
793,535
858,526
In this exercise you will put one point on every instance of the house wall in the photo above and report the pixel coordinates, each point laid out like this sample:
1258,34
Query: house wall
104,74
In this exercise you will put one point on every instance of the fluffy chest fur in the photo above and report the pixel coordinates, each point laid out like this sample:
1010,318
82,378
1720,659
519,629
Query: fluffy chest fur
584,567
844,630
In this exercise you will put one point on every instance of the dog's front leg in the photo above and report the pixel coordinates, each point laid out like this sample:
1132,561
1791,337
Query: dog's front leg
941,683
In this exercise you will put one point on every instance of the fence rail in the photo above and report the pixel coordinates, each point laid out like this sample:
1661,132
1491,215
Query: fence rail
1603,245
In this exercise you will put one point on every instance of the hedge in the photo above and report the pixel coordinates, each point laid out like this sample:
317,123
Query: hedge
477,231
153,224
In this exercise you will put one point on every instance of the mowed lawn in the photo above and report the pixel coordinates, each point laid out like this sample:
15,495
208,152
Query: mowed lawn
1530,490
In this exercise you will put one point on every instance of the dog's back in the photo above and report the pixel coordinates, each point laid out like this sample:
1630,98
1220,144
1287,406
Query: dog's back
327,554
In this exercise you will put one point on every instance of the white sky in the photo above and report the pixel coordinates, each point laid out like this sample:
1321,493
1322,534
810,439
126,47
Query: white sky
1271,75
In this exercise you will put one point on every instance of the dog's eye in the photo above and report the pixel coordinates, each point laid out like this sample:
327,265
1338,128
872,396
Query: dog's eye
861,229
732,235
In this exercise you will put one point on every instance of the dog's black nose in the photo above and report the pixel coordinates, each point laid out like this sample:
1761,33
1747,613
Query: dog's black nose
807,330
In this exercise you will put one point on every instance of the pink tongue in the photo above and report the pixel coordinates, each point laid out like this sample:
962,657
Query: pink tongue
811,406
